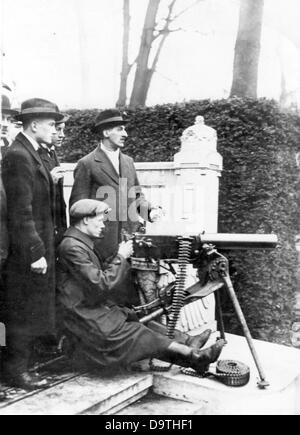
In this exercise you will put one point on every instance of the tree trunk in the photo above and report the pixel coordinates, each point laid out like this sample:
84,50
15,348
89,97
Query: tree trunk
125,64
143,73
247,49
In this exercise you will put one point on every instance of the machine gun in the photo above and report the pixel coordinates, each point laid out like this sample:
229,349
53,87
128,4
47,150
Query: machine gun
204,253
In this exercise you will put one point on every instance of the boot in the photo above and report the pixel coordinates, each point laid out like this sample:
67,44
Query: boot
198,341
185,356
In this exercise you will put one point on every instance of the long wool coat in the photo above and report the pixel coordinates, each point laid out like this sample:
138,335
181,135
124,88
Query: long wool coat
107,333
30,298
96,178
50,162
3,223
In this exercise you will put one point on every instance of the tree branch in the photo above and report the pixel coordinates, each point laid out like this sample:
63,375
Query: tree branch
185,10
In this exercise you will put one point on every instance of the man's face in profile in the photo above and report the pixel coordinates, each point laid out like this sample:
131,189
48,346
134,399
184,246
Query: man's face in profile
117,136
59,136
45,130
95,225
5,124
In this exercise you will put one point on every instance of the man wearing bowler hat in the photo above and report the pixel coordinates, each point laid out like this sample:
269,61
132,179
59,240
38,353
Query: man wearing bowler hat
108,174
30,295
7,115
6,119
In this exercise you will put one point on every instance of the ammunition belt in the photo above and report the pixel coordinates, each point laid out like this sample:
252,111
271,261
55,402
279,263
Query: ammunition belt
230,373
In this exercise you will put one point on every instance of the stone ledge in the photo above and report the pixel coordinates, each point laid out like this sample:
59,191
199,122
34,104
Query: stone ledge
282,367
86,394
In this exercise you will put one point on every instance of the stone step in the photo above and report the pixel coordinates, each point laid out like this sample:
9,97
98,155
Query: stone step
282,368
153,404
73,393
89,394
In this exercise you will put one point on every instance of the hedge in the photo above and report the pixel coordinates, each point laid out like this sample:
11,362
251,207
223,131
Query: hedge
258,192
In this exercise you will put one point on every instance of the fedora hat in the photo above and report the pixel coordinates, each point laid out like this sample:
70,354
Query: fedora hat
110,117
39,107
6,106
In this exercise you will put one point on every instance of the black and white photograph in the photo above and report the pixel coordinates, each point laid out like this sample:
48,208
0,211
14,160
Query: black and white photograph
150,210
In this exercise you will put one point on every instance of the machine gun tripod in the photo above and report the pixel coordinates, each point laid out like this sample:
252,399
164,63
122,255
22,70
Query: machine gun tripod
213,272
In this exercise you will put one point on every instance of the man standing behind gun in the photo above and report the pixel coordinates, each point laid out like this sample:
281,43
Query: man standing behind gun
52,164
30,286
108,174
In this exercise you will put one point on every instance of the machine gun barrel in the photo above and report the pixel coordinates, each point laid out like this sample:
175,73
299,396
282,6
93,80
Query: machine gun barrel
160,246
241,241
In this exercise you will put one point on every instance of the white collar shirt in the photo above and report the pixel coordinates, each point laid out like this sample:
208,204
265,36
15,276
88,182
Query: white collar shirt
114,157
33,142
45,147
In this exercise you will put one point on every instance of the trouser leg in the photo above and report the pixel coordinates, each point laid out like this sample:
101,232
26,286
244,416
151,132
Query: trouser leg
179,336
17,353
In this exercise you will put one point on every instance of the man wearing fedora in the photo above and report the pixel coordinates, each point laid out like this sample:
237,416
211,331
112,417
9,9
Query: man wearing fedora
30,295
109,174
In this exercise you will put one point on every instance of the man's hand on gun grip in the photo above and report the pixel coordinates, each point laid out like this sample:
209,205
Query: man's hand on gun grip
126,249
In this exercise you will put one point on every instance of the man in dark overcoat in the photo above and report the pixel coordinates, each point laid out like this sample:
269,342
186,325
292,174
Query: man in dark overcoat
105,332
52,164
108,174
30,273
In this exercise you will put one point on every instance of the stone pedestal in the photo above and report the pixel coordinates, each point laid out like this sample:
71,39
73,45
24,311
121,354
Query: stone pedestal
191,198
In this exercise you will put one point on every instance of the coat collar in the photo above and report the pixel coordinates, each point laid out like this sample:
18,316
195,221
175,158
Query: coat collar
106,164
29,147
108,167
76,234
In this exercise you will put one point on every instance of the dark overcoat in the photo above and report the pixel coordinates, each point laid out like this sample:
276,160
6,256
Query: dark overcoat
3,223
107,333
96,178
51,161
30,298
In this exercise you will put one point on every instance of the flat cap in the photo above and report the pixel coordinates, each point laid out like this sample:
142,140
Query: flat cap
88,208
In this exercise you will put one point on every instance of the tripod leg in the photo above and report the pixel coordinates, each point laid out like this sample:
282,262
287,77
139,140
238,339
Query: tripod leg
220,315
263,383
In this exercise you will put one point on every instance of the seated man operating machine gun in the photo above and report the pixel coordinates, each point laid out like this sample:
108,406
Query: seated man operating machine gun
112,335
104,332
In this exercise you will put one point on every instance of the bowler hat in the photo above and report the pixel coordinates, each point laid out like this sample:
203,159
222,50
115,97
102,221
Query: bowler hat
6,106
39,107
110,117
88,207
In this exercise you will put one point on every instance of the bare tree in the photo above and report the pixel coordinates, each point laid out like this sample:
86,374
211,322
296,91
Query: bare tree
153,32
247,49
126,67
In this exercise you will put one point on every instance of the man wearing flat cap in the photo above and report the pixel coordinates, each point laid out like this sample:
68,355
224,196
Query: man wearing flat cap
108,174
105,332
30,295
